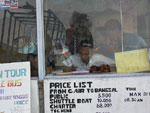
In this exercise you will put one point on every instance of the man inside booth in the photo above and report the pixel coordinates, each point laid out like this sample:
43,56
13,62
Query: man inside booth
33,58
117,40
87,60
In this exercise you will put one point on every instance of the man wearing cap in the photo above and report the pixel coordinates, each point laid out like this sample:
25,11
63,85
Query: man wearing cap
85,59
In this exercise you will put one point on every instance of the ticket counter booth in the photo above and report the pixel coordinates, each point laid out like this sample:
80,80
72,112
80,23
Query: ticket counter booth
48,33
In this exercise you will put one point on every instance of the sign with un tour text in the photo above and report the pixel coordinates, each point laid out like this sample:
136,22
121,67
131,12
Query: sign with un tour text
99,95
15,88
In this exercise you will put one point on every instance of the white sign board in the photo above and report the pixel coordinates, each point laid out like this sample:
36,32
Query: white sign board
15,88
99,95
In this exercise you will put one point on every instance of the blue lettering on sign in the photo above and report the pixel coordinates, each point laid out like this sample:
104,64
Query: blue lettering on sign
21,102
1,91
1,74
15,72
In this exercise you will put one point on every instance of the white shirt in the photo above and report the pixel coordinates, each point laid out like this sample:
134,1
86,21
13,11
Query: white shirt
96,60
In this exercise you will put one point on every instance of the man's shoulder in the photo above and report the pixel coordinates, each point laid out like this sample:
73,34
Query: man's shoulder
131,35
102,58
75,56
134,38
96,55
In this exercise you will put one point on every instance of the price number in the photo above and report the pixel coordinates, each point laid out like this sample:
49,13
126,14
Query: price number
105,105
104,95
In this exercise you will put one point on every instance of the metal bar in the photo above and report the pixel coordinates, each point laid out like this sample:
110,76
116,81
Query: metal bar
24,37
25,17
27,21
49,15
40,39
22,13
121,19
14,34
24,29
49,11
24,8
18,34
19,28
3,27
61,30
53,29
58,30
8,38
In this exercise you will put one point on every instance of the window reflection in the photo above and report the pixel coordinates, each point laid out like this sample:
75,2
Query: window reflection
18,34
79,30
108,26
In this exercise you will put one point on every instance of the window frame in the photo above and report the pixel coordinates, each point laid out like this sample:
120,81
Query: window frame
41,52
40,39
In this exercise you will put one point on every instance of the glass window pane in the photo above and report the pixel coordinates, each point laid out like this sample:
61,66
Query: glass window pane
135,24
18,40
105,27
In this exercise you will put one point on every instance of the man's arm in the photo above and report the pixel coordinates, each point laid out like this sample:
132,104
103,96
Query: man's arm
98,59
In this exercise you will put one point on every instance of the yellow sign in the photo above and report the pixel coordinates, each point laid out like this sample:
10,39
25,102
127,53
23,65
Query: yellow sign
132,61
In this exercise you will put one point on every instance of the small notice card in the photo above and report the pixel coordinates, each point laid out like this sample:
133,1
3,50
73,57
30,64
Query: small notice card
132,61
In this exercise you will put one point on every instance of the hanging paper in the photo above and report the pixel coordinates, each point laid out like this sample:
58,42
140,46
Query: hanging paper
132,61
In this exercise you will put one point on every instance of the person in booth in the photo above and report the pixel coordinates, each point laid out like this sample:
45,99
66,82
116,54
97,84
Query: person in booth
85,60
119,40
33,58
80,25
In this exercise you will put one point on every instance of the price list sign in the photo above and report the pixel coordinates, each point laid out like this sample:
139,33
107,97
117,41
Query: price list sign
100,95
